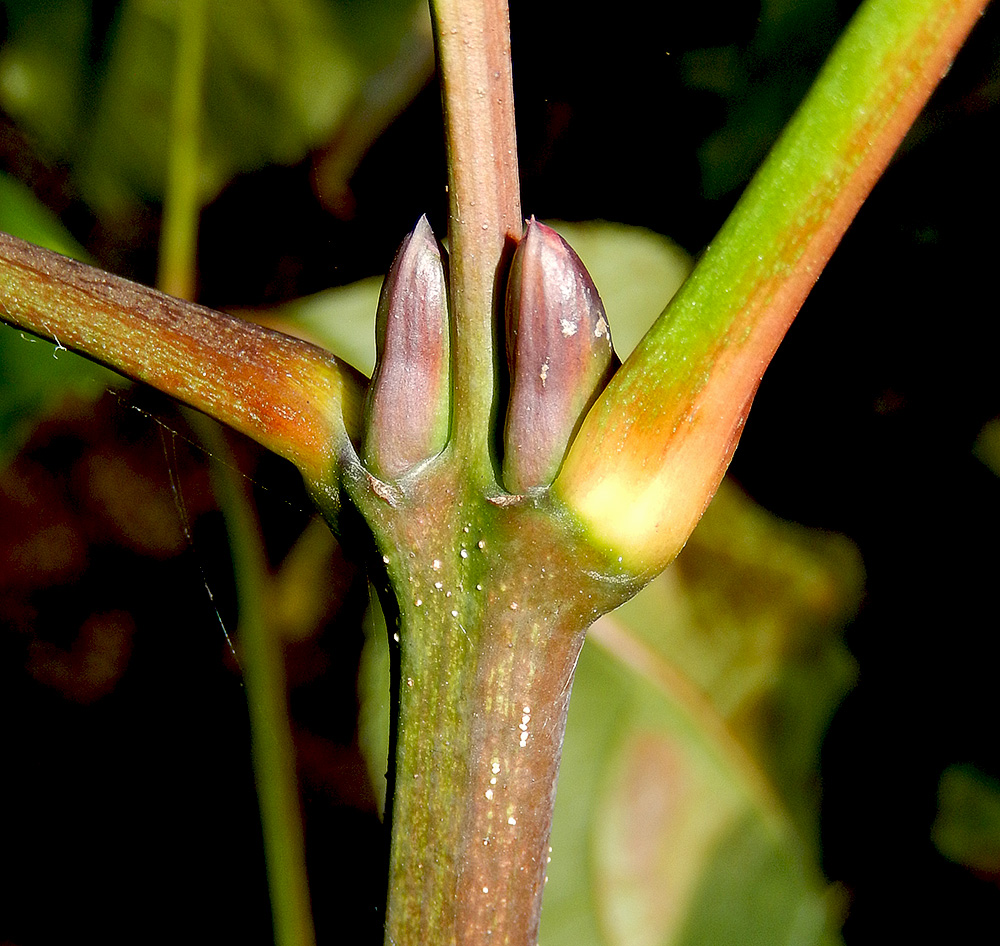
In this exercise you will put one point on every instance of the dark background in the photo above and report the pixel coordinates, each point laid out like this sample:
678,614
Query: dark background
864,425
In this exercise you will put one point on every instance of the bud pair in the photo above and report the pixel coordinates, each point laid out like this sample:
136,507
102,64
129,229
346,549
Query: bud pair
559,353
558,348
407,408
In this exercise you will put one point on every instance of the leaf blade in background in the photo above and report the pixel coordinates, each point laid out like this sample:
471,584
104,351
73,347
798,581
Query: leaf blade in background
43,65
759,86
680,767
986,449
280,77
341,320
967,827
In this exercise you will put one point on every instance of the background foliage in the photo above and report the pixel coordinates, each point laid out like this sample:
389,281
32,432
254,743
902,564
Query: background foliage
124,721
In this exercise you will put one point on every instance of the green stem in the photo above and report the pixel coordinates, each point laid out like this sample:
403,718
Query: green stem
263,665
473,47
653,449
182,203
493,603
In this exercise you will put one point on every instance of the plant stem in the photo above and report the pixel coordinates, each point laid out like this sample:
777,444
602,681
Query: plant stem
181,203
652,451
263,666
288,395
493,604
486,652
473,48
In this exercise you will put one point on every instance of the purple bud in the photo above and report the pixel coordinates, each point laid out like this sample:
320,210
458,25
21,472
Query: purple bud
559,352
407,409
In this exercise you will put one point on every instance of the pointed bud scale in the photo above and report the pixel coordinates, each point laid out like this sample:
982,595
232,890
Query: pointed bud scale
407,409
559,352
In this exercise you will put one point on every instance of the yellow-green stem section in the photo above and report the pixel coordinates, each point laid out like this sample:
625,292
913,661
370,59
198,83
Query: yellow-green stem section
182,202
651,453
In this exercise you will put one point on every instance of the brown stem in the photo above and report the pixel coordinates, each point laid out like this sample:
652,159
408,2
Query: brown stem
290,396
473,47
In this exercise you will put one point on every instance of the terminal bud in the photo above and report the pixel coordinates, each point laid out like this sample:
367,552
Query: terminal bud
559,353
407,408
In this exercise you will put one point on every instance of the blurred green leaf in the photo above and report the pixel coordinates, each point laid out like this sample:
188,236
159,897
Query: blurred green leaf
24,216
280,76
341,320
35,375
987,445
967,827
44,68
687,811
758,608
760,85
